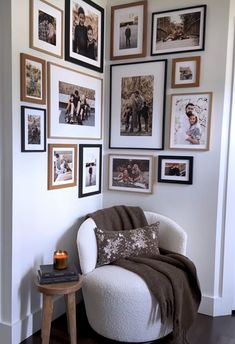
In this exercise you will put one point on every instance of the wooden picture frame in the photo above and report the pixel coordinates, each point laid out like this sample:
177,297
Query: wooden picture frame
175,169
186,72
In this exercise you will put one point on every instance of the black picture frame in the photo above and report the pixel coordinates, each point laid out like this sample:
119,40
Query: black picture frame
87,59
175,169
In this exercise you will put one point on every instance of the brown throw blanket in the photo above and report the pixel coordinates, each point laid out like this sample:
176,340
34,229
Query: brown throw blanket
170,276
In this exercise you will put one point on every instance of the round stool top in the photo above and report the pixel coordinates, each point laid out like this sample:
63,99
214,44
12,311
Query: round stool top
59,288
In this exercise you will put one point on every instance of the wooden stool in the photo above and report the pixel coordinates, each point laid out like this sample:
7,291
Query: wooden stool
68,289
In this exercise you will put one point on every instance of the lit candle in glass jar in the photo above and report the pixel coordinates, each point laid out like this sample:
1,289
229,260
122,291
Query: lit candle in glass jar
60,259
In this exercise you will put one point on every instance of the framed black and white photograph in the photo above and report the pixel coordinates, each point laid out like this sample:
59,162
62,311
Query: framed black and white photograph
175,169
186,72
179,30
33,129
84,34
137,98
90,167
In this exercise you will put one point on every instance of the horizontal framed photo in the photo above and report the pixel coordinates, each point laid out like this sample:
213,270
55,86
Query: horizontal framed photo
137,98
179,30
74,104
128,25
186,72
190,121
90,167
33,129
132,173
62,166
175,169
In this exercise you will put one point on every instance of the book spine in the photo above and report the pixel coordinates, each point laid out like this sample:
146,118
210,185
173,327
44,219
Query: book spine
58,279
57,274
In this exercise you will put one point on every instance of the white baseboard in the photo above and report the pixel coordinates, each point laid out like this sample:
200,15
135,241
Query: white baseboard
215,306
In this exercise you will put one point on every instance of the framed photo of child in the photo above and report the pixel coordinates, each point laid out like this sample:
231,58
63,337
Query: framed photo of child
84,33
175,169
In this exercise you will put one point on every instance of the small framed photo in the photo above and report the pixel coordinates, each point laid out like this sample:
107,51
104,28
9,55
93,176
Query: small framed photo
179,30
62,166
190,120
186,72
33,129
32,79
46,28
175,169
84,34
132,173
90,167
128,39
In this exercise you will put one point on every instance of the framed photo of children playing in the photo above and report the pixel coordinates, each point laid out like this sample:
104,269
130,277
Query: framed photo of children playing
128,25
90,166
190,120
132,173
186,72
74,104
175,169
62,166
84,33
137,97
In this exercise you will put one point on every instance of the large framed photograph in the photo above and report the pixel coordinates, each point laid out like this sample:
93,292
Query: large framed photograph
137,98
46,28
186,72
90,167
33,129
180,30
190,120
32,79
84,33
132,173
128,26
62,166
74,104
175,169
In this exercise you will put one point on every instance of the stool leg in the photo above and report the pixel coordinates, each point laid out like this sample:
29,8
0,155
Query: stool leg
46,318
71,316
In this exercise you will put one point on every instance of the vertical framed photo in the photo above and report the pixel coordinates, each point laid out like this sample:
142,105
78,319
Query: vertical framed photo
46,28
128,25
190,120
175,169
180,30
137,98
186,72
32,79
62,166
84,34
90,167
33,129
132,173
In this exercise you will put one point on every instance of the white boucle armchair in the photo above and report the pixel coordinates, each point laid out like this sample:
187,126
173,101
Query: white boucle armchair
118,303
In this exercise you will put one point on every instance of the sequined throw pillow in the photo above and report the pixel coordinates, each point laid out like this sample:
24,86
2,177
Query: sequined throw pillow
113,245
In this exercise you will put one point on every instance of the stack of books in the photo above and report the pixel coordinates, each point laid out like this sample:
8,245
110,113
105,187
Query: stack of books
47,274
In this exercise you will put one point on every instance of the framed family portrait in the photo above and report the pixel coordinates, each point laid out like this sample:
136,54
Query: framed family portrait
137,98
32,79
179,30
33,129
186,72
90,167
74,104
175,169
84,33
190,120
46,28
62,166
132,173
128,25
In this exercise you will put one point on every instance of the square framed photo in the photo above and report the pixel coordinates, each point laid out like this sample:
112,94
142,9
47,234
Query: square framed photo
84,34
175,169
179,30
46,28
90,167
132,173
186,72
74,104
190,120
137,98
32,79
62,166
33,129
128,25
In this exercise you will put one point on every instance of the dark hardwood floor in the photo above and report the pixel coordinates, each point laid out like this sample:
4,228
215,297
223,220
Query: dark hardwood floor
206,330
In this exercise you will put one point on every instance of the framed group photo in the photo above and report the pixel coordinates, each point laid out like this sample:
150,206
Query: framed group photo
186,72
175,169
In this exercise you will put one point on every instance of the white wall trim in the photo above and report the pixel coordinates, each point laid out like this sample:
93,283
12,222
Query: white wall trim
215,306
